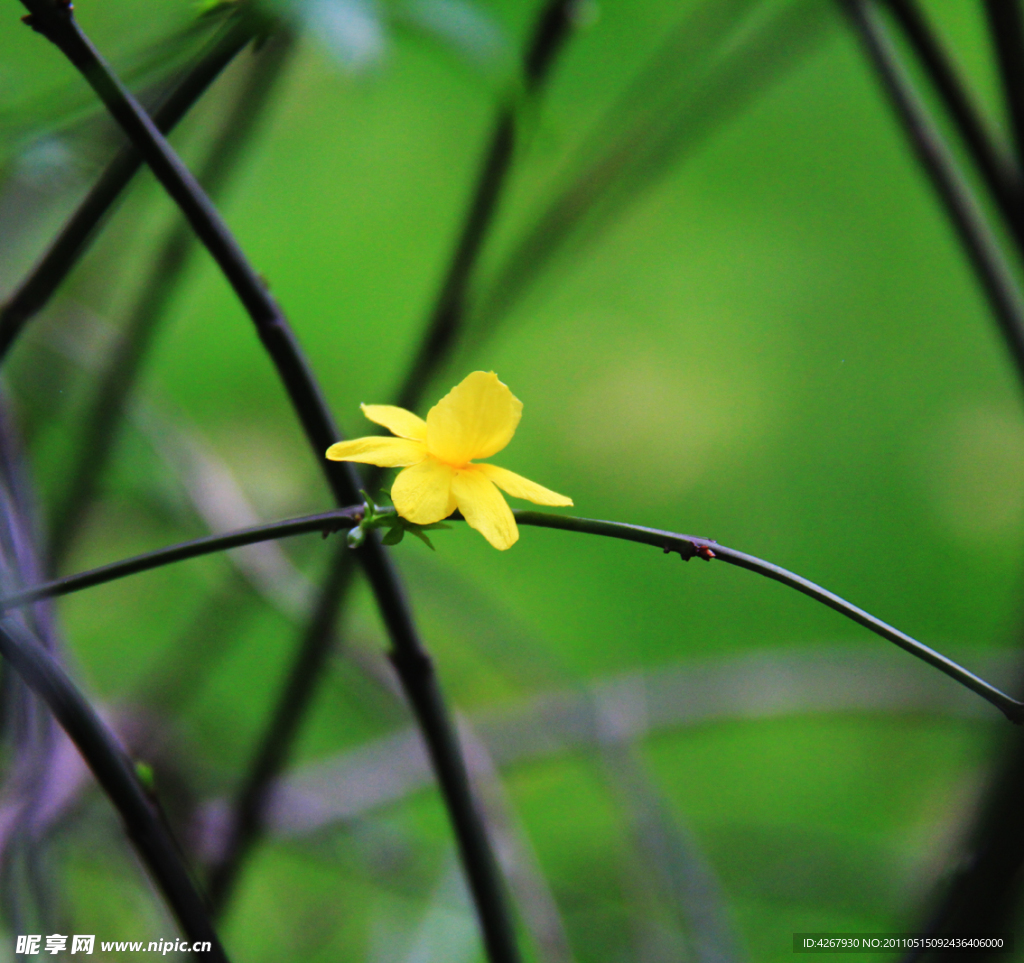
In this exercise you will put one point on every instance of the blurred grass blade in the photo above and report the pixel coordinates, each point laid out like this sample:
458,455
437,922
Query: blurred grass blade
519,862
352,30
211,489
31,740
551,30
244,826
464,28
716,76
35,291
672,860
815,680
152,69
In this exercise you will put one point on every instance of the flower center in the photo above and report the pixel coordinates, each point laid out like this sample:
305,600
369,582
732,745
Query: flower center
458,467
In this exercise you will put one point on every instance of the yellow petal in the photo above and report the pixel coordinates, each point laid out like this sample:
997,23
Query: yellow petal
423,493
484,508
476,419
397,420
519,487
383,452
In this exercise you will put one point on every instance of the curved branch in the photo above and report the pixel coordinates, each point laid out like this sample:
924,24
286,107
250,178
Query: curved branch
325,522
54,20
706,548
115,773
687,546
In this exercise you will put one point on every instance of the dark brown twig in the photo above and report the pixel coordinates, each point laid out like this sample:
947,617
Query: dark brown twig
1006,28
981,248
686,546
55,21
999,174
115,773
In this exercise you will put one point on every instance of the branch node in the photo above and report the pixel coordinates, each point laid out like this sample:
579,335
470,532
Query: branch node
39,19
686,549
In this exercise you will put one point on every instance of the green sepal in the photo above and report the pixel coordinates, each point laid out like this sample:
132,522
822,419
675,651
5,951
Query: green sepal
375,517
417,530
394,535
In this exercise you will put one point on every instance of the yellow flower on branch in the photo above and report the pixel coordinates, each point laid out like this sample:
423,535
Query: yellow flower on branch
476,419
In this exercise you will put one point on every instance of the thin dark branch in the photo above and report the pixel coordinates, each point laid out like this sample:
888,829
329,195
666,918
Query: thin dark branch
1007,31
273,750
73,241
116,775
420,684
101,430
707,548
53,18
324,522
551,31
998,172
981,248
447,316
55,21
687,546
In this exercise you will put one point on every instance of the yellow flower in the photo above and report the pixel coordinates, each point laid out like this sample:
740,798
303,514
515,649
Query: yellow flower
476,419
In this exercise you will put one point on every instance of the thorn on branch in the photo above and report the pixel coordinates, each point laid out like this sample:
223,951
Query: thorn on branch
688,550
335,526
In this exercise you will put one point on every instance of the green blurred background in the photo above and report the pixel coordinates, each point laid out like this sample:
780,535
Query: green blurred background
776,342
